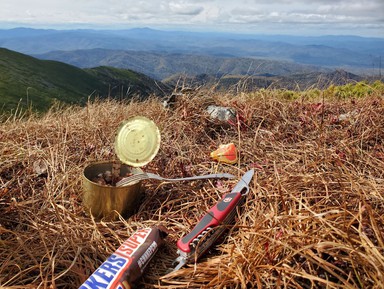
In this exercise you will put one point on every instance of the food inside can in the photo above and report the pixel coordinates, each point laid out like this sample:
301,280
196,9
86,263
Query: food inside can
107,179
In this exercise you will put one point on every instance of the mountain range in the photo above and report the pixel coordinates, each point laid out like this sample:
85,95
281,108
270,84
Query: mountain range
162,65
345,52
38,66
27,81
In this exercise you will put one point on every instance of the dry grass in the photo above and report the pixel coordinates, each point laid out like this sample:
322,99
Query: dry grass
314,217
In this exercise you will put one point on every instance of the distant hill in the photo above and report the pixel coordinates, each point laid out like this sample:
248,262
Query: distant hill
25,80
161,65
297,82
317,80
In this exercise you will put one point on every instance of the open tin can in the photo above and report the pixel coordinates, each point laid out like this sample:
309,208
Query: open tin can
136,143
105,201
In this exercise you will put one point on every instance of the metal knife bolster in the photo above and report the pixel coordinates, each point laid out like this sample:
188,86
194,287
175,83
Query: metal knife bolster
217,215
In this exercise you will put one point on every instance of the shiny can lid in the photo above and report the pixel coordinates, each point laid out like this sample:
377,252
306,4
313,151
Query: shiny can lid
137,141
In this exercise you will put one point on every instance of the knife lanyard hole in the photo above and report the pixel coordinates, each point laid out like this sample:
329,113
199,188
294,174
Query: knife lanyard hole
246,189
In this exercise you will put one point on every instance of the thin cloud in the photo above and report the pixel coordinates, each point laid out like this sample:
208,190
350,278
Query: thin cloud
317,16
182,8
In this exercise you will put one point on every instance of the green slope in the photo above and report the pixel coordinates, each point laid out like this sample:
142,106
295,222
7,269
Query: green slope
42,81
26,81
127,83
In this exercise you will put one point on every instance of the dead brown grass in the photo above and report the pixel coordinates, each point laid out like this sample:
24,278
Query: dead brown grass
313,218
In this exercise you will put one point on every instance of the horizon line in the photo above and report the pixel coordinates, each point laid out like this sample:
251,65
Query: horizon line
172,29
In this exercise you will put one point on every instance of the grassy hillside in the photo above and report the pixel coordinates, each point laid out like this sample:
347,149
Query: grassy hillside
126,83
39,82
313,218
23,76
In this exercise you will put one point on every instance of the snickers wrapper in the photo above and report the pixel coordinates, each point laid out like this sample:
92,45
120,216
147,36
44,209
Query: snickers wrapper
127,263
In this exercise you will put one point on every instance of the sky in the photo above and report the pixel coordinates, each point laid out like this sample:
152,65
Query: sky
293,17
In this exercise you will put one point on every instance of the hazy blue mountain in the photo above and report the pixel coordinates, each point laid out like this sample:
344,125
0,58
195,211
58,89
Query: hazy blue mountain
330,51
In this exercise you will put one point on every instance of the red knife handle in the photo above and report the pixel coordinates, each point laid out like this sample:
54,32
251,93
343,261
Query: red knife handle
215,216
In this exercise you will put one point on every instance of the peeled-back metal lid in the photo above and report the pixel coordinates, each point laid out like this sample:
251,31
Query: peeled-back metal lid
137,141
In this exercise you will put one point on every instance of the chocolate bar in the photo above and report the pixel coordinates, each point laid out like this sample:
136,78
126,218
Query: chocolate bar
127,263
